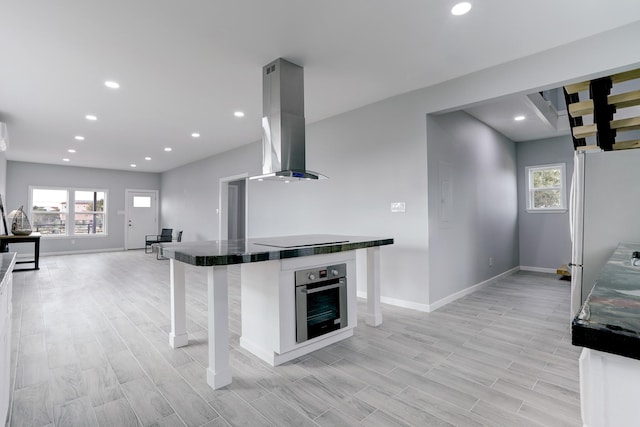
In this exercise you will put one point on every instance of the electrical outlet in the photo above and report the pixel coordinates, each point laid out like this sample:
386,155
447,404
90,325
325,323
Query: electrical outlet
490,261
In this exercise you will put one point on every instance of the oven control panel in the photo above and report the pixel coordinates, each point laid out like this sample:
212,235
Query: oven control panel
320,274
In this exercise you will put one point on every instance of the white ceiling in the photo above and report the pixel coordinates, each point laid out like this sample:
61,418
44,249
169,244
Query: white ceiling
541,120
186,66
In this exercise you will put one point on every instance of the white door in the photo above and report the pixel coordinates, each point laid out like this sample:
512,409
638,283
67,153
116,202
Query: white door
236,210
233,207
141,217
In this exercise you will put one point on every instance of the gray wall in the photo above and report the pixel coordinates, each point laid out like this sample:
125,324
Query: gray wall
21,175
3,183
365,153
376,155
545,241
473,208
190,193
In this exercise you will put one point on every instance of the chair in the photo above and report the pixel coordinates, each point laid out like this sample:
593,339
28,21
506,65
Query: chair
150,239
178,239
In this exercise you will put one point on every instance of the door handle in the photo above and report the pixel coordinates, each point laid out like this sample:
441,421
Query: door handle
322,288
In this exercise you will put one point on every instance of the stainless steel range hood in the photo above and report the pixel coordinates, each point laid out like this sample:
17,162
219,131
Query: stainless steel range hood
283,142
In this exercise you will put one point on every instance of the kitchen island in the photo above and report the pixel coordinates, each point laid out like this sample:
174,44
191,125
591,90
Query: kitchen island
608,327
276,254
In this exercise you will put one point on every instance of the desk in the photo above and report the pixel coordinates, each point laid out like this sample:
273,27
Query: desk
31,238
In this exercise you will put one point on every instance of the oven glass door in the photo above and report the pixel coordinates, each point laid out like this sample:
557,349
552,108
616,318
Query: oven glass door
320,308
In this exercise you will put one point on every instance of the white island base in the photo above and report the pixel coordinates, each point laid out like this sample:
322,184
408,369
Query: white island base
269,312
271,334
609,389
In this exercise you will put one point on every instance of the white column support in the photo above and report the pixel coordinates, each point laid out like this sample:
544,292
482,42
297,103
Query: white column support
374,316
178,335
219,370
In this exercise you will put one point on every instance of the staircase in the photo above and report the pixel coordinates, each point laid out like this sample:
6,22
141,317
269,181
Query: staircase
602,106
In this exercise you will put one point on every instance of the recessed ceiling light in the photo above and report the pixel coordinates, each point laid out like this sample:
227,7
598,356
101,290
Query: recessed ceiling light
461,8
91,117
167,149
238,114
111,84
147,158
71,150
66,159
79,138
195,135
133,165
518,118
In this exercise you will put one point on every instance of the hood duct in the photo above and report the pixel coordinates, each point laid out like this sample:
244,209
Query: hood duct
283,127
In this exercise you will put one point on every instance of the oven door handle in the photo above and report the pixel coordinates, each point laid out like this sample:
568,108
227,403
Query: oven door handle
322,288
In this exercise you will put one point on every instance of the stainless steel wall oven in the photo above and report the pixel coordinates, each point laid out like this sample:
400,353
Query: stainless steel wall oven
321,301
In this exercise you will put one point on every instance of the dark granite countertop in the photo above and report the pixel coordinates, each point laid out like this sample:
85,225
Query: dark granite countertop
225,252
610,317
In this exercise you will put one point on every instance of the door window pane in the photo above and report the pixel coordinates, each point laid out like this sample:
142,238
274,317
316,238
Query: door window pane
141,201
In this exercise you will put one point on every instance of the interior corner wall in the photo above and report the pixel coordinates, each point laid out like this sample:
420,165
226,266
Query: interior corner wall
190,193
473,204
545,241
376,155
21,175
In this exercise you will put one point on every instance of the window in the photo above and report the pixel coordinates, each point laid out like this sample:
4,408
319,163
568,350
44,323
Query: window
50,213
546,188
49,210
88,212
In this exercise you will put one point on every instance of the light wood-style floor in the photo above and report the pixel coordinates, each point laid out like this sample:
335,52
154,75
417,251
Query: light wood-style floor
90,347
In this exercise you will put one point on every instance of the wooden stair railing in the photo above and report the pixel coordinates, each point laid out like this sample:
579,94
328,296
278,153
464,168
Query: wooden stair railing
602,106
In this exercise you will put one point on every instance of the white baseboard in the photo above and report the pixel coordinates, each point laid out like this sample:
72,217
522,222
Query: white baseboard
538,269
444,301
450,298
86,251
399,302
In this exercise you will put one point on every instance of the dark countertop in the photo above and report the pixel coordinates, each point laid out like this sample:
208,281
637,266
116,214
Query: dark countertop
226,252
610,317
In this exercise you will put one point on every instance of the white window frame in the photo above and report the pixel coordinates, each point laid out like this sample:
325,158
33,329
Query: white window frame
529,171
71,203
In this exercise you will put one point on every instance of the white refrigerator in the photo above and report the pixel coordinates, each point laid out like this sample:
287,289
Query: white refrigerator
605,210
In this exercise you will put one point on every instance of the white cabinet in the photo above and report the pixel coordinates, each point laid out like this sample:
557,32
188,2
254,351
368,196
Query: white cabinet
268,307
5,344
609,389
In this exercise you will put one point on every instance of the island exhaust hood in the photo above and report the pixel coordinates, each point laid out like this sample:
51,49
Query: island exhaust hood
283,142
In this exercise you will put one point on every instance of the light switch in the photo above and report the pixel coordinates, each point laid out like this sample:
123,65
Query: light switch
397,207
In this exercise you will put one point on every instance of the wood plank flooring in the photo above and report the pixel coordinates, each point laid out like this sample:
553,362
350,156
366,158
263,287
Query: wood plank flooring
90,347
